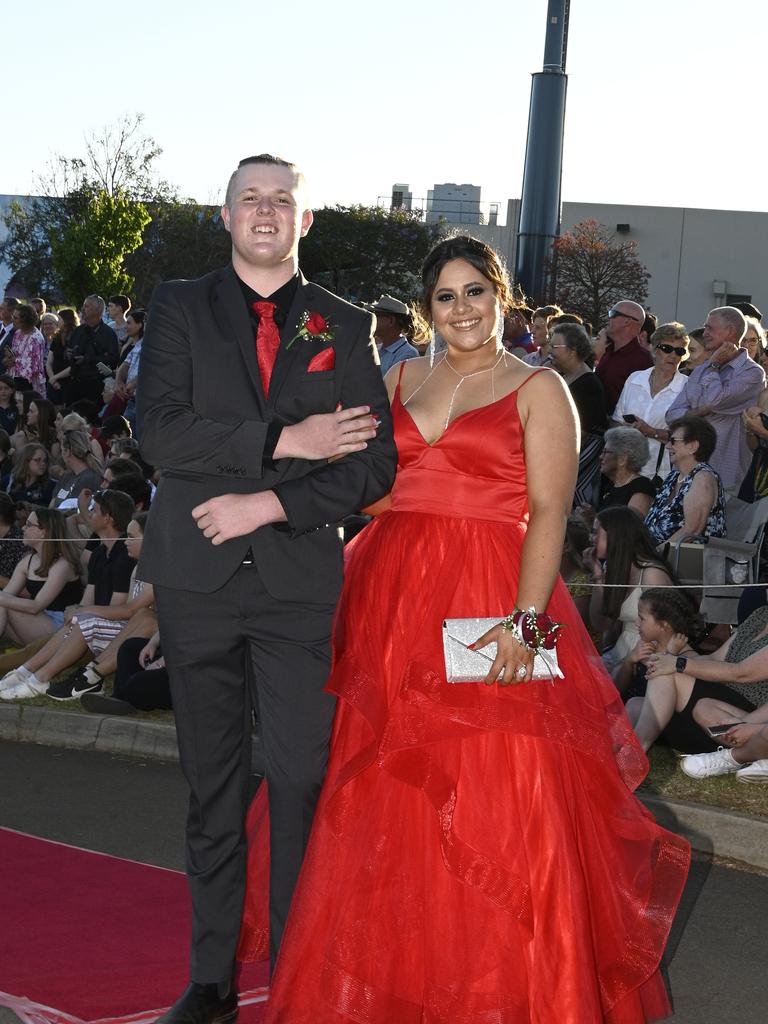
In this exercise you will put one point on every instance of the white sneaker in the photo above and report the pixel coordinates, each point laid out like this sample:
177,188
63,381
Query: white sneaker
16,675
755,772
25,688
703,766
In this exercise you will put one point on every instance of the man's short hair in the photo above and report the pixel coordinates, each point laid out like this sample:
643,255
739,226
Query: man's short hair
262,158
96,300
135,486
117,505
115,426
11,303
733,317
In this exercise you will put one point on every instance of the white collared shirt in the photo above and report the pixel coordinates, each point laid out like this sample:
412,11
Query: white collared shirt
636,399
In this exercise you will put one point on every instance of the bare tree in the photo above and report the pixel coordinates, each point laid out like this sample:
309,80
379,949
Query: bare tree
593,269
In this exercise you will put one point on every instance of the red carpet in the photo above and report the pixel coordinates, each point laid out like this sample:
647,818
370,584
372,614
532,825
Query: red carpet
85,936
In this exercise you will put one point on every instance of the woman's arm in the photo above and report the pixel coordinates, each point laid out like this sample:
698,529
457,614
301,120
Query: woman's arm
546,410
697,505
640,503
753,669
50,590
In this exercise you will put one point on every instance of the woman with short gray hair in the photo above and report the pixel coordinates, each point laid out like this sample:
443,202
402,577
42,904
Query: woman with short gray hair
623,457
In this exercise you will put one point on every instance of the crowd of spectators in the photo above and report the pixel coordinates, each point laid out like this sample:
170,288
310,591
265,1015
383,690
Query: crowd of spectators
674,424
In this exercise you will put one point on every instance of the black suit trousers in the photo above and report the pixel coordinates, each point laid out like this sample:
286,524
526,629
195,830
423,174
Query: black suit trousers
228,652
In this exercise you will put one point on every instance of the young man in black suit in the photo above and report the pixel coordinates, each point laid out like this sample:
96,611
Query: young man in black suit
256,396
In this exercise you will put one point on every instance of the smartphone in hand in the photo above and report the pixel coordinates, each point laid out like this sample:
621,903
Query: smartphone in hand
716,731
630,418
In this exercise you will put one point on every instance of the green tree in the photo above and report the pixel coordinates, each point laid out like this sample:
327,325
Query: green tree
593,269
361,251
88,254
118,163
183,240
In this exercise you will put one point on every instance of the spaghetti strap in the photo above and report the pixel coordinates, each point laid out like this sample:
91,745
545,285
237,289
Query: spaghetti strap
537,370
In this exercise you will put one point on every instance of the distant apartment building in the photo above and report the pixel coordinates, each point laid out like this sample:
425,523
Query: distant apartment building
402,197
454,204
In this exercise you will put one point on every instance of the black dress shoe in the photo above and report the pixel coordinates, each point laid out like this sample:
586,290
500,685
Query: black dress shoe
202,1004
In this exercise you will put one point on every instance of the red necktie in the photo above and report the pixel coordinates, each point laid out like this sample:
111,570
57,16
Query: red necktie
267,341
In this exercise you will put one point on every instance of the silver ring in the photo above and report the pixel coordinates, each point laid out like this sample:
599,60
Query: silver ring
521,672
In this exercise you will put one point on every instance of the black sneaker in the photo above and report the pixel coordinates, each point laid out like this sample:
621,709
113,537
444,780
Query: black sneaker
73,687
102,705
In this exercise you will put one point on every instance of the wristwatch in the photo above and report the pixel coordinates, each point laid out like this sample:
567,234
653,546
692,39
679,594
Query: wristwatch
680,664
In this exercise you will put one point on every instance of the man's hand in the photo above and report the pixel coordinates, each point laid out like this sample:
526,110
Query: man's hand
327,435
236,515
725,353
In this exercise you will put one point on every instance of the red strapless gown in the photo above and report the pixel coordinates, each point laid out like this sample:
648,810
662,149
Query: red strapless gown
477,855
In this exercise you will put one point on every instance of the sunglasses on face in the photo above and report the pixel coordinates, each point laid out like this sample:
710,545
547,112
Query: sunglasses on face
668,349
613,313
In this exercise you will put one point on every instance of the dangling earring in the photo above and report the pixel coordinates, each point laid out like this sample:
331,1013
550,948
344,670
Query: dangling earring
500,329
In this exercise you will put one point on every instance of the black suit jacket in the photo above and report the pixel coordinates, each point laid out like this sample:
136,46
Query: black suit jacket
204,420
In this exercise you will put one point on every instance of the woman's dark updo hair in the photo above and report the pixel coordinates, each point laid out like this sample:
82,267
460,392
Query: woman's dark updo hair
676,608
461,247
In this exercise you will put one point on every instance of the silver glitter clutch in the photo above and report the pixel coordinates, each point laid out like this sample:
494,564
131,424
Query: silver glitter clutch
465,666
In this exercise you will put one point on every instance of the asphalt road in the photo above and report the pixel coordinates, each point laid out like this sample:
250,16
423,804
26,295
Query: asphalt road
715,960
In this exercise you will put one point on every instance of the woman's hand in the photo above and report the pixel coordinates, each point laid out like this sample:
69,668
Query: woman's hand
642,650
643,427
149,651
661,665
742,732
677,643
593,565
514,661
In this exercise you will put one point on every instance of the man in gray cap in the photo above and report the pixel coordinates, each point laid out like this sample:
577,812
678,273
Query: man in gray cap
394,326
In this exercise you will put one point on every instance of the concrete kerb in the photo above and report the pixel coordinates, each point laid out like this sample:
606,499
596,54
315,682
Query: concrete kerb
710,830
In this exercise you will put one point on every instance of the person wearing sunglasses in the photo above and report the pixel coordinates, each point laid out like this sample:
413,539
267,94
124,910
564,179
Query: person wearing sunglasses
623,352
647,394
721,389
691,500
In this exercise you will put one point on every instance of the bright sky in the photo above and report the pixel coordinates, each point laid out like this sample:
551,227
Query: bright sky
365,95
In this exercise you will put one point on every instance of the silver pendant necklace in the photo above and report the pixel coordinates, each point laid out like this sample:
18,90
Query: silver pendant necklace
466,376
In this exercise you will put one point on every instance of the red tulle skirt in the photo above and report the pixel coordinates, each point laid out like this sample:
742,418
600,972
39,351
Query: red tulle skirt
477,855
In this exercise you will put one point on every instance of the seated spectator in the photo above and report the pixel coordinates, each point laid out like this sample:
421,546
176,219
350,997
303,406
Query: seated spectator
737,673
39,425
74,421
25,356
30,482
12,548
113,428
691,500
102,631
83,469
8,413
647,394
6,460
621,461
109,581
141,681
50,575
58,364
668,622
24,397
625,558
745,744
114,404
570,349
128,448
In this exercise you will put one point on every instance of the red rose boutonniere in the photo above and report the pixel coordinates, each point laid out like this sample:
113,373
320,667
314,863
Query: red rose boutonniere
313,327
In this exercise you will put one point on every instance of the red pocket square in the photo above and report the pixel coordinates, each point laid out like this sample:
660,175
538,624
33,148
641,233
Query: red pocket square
324,360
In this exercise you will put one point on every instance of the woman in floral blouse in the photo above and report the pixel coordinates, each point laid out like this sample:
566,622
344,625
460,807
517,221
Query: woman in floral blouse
28,348
691,499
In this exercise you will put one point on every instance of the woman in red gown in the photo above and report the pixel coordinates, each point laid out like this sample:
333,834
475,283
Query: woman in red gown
477,855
